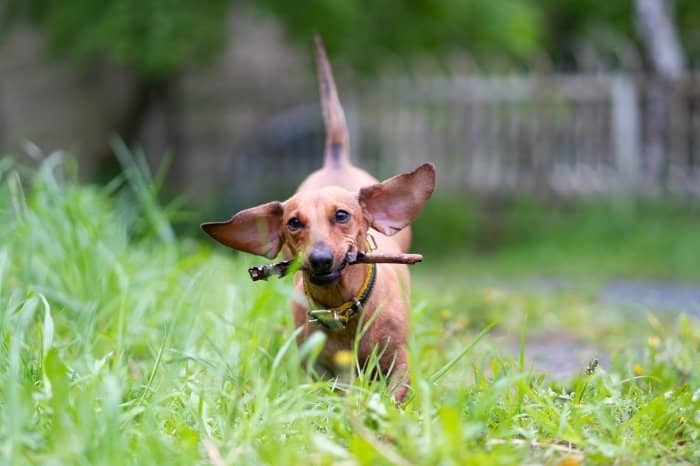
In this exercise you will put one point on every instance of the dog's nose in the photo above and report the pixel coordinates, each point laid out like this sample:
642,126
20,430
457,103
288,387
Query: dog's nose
321,260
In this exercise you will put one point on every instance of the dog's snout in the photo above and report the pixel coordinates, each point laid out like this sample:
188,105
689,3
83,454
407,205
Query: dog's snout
321,260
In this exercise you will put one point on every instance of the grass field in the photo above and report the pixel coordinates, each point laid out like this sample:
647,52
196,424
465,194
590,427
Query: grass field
123,343
590,239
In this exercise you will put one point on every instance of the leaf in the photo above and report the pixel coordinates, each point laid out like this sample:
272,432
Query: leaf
451,425
364,451
48,329
56,372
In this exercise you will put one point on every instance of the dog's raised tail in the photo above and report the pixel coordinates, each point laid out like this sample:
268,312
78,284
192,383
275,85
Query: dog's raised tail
336,152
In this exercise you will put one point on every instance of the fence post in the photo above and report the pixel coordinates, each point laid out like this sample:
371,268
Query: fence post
625,127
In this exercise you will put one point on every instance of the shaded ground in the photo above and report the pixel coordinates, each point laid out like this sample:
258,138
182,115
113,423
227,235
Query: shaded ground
638,296
560,355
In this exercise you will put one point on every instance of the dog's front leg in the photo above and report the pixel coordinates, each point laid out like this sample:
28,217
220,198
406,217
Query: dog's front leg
395,367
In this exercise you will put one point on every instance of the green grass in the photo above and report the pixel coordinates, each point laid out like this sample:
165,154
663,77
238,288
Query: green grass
122,343
597,238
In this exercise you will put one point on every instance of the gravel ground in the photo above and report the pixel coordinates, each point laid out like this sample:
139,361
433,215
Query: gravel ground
562,356
641,296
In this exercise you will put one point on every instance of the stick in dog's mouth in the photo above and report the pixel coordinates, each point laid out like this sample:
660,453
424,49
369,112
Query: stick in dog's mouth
263,272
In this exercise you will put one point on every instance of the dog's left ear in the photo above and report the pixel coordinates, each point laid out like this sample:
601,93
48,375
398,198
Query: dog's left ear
394,203
256,230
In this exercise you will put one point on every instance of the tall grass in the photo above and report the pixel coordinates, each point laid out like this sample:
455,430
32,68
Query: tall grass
121,343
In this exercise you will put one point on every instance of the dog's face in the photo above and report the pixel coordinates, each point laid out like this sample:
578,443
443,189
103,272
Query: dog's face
320,227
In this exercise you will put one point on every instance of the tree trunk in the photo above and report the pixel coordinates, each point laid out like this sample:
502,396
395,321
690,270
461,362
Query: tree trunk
662,48
152,123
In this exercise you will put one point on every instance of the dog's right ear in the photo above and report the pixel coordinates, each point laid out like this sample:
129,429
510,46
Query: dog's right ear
257,230
394,203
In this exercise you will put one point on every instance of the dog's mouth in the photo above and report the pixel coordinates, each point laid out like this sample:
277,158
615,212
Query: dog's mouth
327,278
323,279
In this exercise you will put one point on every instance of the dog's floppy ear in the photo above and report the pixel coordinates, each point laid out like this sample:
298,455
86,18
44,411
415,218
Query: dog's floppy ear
256,230
394,203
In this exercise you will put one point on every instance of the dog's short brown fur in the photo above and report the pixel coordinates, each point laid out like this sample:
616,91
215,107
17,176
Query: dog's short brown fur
330,215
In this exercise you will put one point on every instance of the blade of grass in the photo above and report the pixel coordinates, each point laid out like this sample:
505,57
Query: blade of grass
446,368
136,172
521,349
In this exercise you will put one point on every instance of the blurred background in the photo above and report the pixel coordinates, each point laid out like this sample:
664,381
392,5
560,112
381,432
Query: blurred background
534,111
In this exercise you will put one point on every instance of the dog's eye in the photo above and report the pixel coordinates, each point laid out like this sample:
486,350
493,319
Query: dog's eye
341,216
294,224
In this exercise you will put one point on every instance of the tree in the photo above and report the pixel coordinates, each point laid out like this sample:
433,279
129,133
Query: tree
154,40
157,39
365,32
659,37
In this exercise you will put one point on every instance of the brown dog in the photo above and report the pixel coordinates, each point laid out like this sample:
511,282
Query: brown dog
337,210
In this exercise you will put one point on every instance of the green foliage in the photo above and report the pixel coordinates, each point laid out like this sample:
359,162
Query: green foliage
688,20
156,38
446,226
606,26
598,238
609,28
121,344
366,32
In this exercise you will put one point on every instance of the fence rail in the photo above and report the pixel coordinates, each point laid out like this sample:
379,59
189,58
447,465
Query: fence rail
569,135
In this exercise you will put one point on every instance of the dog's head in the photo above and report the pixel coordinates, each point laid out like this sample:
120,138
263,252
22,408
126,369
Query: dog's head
321,227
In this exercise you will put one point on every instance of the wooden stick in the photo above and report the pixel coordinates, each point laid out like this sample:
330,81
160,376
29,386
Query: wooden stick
384,258
262,272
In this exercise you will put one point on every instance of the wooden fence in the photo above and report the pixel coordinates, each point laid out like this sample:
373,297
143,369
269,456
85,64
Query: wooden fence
566,135
551,134
572,135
